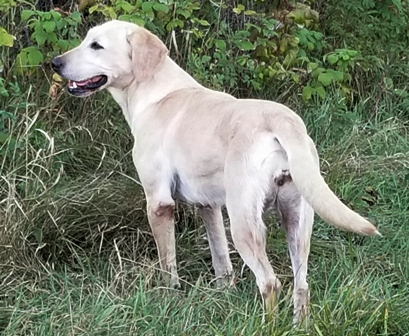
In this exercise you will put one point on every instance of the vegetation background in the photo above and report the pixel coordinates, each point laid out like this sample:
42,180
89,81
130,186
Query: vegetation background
76,253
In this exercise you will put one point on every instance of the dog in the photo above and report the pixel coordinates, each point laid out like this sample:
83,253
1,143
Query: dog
211,150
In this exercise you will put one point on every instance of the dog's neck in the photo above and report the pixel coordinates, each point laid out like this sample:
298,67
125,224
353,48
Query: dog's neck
140,96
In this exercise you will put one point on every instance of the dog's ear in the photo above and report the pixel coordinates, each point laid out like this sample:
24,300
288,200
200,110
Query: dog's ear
148,53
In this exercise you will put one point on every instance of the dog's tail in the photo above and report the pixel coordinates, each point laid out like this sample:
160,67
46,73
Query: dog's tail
304,170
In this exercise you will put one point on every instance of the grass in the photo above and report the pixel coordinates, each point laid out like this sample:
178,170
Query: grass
77,256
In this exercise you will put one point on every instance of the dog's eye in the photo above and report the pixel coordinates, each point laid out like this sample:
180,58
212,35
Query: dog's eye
96,46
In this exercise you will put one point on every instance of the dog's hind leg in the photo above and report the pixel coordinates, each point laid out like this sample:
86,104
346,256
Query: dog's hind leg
297,217
246,185
248,233
213,220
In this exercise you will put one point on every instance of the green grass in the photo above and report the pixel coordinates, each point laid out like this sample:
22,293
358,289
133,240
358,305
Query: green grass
77,256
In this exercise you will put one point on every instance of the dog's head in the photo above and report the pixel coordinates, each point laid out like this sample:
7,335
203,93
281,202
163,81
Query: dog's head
114,54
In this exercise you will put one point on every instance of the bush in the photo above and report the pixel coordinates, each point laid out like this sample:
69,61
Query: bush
225,46
379,30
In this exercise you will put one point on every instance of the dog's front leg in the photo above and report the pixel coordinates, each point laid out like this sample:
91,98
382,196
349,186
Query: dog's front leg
160,215
213,220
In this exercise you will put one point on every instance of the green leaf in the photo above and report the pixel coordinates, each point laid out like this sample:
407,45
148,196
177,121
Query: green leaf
26,14
332,59
203,22
316,72
134,18
304,59
174,23
388,83
206,59
38,234
93,8
312,66
74,43
296,78
321,92
337,76
34,56
21,60
52,38
401,93
63,45
179,23
40,36
61,25
290,58
170,25
111,13
126,7
239,9
76,16
241,61
272,73
6,39
5,5
56,16
4,138
220,44
325,78
347,77
185,13
293,41
49,26
307,93
147,6
3,91
11,142
165,9
245,45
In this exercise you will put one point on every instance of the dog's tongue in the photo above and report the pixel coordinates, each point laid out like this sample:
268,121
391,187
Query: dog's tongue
86,81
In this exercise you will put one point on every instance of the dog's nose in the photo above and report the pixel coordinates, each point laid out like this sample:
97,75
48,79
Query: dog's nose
56,64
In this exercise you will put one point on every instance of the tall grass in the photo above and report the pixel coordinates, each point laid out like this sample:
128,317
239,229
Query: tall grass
77,256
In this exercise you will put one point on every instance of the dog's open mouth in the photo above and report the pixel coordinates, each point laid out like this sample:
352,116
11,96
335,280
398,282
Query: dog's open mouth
87,86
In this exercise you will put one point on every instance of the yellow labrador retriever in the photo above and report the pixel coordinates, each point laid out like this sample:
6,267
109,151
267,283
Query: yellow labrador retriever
210,149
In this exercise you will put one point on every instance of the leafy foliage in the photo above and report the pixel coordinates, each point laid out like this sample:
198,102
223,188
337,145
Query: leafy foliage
226,47
52,33
379,31
6,39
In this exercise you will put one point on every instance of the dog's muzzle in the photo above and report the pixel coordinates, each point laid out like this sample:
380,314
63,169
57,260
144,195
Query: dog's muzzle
79,88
